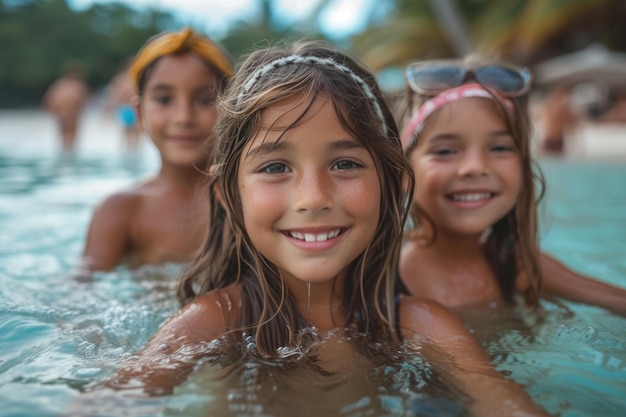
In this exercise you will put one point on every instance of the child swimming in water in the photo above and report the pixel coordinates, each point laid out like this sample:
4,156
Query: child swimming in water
119,103
474,227
66,99
306,223
177,77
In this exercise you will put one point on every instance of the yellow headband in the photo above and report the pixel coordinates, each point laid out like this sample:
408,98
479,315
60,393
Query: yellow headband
179,42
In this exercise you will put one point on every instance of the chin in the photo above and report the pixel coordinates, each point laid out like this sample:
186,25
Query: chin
314,278
188,160
473,230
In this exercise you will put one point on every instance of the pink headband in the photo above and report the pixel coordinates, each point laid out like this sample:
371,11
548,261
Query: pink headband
440,100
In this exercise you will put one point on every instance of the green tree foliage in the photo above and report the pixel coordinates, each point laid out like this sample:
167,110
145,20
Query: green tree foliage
40,38
522,31
243,36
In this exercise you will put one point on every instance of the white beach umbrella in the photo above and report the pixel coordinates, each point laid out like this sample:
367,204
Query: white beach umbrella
595,63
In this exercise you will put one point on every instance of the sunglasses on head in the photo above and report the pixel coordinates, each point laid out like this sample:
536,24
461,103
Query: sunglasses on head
433,77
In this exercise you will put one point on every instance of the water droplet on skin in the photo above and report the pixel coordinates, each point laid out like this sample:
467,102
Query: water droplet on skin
308,302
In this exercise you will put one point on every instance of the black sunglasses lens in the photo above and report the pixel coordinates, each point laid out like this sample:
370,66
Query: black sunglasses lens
502,79
436,77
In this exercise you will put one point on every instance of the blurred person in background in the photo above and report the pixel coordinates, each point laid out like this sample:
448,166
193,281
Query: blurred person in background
119,102
162,219
65,98
557,119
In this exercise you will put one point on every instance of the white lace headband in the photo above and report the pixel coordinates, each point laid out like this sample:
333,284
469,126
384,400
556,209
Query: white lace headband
313,60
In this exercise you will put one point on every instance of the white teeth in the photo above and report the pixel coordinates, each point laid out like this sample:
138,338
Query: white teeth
310,237
471,197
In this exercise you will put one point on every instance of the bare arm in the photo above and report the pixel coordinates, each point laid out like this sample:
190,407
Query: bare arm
164,363
491,393
108,236
49,97
172,352
563,282
170,355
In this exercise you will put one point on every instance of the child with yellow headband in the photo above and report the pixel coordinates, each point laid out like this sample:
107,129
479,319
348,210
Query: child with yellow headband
474,236
177,77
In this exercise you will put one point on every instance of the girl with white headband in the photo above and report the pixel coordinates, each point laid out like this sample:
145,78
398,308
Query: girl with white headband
299,265
473,232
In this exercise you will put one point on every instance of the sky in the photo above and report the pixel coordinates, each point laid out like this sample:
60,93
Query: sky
342,17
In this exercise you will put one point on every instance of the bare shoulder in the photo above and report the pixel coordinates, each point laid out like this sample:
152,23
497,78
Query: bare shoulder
423,310
551,264
219,308
123,202
557,275
115,211
120,198
205,318
421,319
430,318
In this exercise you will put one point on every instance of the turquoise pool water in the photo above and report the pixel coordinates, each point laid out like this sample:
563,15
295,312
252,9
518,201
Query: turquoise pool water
57,336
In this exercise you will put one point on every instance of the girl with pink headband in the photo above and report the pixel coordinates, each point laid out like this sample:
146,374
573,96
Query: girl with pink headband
473,232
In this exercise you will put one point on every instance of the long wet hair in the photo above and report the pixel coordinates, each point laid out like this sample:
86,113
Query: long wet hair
512,246
268,312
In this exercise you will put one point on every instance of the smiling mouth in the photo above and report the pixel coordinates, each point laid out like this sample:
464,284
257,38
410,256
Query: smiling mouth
314,237
186,140
466,197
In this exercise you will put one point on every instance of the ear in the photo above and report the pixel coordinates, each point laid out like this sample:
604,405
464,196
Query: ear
135,101
212,169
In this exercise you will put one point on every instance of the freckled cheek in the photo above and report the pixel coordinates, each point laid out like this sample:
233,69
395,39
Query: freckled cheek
362,198
429,183
261,204
511,175
428,175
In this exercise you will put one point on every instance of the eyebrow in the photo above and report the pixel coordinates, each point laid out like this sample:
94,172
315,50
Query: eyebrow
455,136
444,136
501,133
163,86
347,143
267,147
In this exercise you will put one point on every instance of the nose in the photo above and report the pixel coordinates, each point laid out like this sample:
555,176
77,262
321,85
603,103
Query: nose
313,193
183,112
474,163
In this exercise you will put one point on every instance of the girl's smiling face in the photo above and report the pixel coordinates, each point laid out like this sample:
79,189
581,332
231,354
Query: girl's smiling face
310,194
467,167
177,108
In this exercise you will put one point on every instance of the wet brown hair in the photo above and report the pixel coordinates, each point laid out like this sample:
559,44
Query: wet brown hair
228,257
